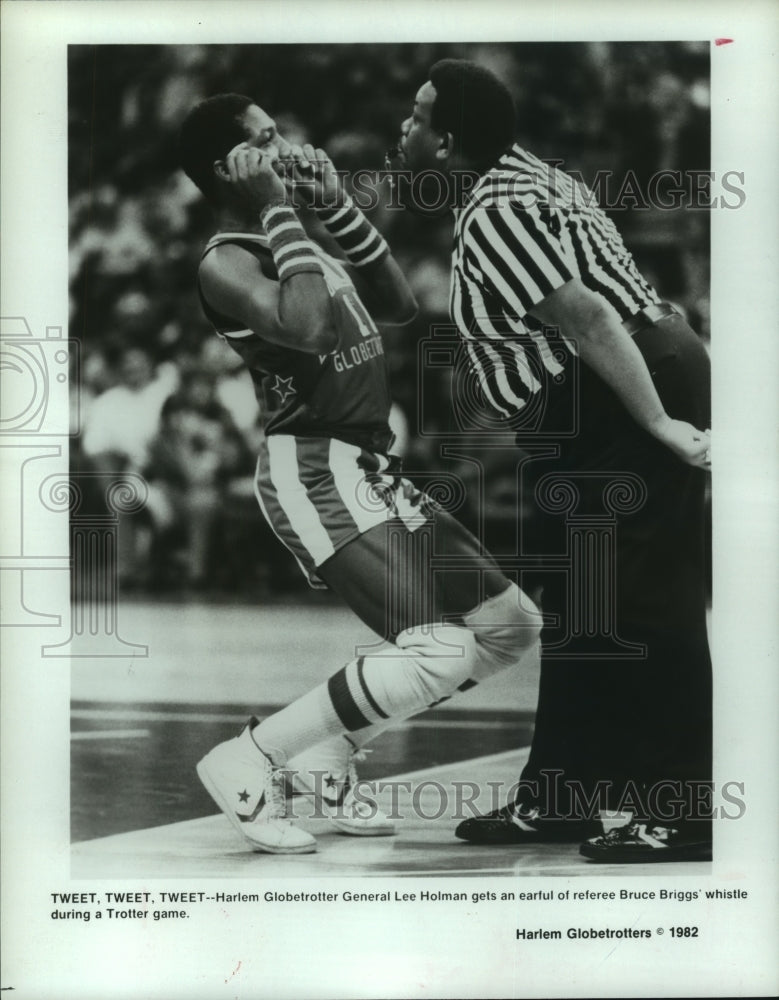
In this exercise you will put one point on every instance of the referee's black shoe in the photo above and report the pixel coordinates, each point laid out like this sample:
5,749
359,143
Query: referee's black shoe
517,823
642,843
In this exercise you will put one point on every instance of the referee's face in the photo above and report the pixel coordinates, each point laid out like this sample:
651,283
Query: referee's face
420,145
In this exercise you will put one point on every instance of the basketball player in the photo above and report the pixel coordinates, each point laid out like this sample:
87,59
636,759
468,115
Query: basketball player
304,323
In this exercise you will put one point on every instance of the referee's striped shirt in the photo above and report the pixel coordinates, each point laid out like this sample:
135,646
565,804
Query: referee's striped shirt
527,229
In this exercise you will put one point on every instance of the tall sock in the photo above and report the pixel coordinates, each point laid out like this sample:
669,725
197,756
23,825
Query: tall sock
374,690
360,738
372,694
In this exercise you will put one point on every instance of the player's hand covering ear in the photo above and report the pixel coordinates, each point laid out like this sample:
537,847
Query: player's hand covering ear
310,173
253,177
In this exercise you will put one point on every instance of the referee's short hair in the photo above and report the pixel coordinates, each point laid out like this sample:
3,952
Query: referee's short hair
475,106
211,129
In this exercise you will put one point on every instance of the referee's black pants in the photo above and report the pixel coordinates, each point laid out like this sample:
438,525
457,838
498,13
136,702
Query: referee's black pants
630,732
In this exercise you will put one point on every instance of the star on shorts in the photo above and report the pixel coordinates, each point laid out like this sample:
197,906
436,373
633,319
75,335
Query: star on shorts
284,388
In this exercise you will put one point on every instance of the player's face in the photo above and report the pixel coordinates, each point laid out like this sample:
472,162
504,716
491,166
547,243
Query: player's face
261,132
419,143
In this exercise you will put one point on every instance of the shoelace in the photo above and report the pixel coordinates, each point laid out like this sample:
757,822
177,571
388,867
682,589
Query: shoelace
637,830
356,756
622,832
274,782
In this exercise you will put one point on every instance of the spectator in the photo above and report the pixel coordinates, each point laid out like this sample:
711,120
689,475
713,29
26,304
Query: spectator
191,461
119,427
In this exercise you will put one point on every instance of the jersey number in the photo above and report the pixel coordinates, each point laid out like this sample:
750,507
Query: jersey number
360,313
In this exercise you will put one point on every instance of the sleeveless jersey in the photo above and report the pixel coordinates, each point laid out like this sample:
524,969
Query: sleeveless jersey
344,394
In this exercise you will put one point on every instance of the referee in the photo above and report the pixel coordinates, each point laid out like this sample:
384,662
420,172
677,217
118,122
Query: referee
552,310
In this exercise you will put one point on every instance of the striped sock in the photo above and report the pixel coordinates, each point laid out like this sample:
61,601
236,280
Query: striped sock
371,691
340,705
362,737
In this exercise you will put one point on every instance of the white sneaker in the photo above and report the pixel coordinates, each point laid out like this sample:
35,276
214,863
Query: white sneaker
327,774
249,789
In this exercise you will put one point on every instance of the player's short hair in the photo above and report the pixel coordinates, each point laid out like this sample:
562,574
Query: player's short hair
211,129
475,106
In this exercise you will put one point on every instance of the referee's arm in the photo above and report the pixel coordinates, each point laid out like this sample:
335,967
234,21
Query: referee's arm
586,318
529,266
604,345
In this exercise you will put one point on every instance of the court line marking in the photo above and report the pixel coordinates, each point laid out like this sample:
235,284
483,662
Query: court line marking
112,734
494,758
150,715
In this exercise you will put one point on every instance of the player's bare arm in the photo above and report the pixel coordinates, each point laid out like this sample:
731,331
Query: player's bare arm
381,284
233,283
295,312
609,350
385,292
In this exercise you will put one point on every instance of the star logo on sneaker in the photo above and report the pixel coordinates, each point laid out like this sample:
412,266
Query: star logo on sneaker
336,800
252,816
243,796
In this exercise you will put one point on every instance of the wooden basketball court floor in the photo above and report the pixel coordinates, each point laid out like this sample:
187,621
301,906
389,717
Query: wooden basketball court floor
140,723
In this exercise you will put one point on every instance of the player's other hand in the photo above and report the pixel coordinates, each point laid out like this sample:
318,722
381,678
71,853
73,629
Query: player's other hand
253,176
310,173
687,442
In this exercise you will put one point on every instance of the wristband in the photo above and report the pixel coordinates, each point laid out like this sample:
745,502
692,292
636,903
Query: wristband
359,239
293,252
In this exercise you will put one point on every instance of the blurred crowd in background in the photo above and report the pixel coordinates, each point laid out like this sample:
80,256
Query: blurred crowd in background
161,395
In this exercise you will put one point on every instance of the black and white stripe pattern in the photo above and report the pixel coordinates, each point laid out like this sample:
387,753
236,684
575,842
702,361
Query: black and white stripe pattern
527,229
352,699
359,240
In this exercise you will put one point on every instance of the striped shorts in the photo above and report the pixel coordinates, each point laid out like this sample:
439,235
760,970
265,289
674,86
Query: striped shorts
319,494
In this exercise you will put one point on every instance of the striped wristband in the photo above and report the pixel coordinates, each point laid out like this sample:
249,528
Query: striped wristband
359,240
293,252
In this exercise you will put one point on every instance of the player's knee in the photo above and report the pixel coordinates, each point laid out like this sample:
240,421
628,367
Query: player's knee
444,656
506,628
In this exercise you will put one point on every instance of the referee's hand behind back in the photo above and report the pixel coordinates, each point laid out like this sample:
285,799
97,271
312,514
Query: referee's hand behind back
685,441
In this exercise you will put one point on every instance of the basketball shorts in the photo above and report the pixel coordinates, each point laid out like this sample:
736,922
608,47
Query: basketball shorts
319,494
356,526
